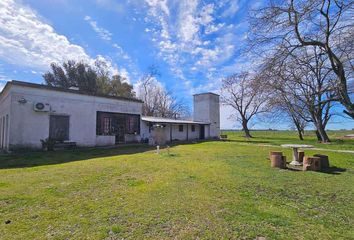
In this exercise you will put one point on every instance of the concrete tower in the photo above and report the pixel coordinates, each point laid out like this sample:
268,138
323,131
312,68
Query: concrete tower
207,109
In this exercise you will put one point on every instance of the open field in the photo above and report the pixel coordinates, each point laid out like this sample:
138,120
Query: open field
208,190
287,137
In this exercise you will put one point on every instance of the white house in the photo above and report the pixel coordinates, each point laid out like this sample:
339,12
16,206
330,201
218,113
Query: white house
30,112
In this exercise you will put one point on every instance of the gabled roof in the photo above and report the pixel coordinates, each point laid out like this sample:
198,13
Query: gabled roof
59,89
170,120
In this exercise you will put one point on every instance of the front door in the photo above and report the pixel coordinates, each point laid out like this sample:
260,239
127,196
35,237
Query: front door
202,132
120,128
59,127
120,134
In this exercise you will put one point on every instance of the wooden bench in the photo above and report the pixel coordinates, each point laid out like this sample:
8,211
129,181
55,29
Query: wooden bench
65,145
223,137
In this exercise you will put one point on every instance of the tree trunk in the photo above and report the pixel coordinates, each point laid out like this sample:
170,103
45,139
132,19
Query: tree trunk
245,129
322,133
318,136
299,131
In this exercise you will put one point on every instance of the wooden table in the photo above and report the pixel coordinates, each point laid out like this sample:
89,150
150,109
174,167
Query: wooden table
295,148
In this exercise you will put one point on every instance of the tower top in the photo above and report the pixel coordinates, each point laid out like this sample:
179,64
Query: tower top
206,93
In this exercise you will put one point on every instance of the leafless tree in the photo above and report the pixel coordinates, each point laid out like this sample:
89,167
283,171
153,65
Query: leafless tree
244,93
159,102
284,26
285,107
306,85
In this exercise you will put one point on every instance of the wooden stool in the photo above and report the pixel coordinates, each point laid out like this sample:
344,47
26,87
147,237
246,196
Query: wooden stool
278,161
301,155
272,153
324,160
312,163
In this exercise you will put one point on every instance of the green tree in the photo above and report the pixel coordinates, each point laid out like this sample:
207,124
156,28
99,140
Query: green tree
72,74
94,80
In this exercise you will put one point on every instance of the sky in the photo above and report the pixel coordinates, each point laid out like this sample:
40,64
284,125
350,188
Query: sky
194,43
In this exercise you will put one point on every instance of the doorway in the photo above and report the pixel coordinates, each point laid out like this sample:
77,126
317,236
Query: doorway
59,127
202,132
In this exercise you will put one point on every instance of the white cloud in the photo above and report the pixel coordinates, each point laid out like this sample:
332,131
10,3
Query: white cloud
125,74
28,41
232,8
211,28
102,33
181,36
111,5
188,25
157,5
206,14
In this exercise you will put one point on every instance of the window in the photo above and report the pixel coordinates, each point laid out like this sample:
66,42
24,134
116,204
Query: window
180,128
107,125
132,124
117,124
193,128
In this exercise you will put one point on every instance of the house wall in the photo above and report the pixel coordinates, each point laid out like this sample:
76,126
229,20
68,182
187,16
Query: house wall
207,109
144,129
5,120
176,134
195,134
28,127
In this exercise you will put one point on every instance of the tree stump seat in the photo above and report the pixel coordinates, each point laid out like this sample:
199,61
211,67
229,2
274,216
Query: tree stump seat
312,163
277,160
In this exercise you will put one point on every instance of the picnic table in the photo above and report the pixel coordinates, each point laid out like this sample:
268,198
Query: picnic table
295,148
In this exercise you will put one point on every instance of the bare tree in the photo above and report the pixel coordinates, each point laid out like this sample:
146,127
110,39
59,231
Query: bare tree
159,102
326,24
285,106
306,85
245,95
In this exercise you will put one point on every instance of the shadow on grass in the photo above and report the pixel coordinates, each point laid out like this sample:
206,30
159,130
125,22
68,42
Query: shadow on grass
248,141
33,159
331,170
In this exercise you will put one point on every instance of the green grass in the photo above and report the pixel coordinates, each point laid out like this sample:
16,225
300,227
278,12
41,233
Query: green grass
286,137
209,190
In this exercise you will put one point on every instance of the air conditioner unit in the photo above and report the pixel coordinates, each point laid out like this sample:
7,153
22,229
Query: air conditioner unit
41,107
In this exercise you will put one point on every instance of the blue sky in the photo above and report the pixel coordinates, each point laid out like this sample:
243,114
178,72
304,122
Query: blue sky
193,42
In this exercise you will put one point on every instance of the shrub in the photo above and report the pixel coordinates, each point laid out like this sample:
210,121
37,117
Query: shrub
48,144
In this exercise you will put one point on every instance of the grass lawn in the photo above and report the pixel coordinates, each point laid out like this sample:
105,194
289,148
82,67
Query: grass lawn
286,137
209,190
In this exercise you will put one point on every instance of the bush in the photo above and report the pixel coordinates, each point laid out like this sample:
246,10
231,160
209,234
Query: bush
48,144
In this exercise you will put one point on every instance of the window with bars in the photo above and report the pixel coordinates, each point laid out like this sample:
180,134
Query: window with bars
117,123
107,125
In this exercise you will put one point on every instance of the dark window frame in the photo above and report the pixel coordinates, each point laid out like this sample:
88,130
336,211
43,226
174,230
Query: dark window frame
180,127
193,128
130,122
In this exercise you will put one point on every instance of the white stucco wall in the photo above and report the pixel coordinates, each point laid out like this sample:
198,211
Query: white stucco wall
5,120
176,134
207,109
28,127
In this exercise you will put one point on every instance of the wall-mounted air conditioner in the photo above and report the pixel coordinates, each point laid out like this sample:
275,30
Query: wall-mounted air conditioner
41,107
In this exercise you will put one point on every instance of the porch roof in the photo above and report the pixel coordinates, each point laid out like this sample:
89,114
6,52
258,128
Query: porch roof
171,120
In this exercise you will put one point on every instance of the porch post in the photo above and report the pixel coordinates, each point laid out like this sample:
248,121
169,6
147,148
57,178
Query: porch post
170,132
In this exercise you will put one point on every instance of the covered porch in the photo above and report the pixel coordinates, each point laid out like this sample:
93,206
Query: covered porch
162,130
